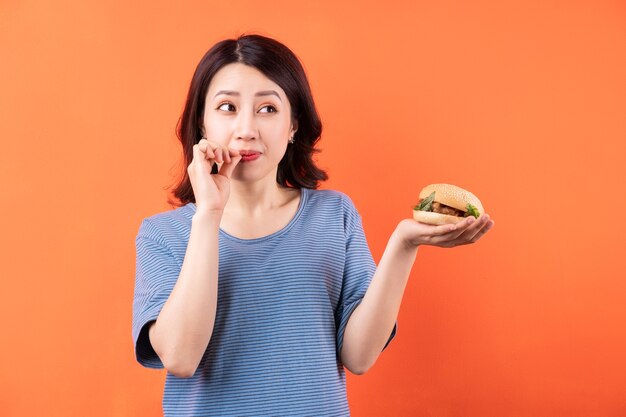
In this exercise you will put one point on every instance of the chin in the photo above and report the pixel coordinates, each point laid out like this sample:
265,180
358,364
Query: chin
252,175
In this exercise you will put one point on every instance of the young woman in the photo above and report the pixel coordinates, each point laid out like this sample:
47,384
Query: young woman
259,289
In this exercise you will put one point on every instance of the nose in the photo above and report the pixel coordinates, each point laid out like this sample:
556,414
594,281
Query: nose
246,128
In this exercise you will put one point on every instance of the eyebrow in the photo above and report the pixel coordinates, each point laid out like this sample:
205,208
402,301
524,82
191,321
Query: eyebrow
259,94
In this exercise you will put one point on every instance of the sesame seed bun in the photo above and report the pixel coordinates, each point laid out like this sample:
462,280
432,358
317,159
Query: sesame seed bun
450,195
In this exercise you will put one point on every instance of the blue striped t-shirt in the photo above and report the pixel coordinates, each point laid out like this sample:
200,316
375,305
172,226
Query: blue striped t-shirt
283,304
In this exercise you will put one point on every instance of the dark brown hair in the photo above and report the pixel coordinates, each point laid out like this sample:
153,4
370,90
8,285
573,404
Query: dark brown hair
278,63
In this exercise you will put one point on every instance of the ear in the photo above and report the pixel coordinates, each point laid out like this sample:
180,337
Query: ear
294,127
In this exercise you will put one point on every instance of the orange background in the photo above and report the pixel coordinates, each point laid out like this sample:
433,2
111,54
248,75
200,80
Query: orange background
522,102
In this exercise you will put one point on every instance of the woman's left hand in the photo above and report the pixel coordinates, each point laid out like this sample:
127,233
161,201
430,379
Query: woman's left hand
413,233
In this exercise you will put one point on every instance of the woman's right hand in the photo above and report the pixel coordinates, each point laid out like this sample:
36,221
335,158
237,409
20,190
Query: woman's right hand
211,190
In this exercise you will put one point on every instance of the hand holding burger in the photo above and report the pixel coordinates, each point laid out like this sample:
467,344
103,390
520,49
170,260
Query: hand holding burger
446,203
445,216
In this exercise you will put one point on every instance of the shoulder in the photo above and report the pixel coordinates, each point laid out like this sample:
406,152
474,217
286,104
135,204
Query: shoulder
332,198
163,226
333,204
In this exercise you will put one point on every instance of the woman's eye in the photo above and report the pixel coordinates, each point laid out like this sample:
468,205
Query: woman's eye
226,107
273,109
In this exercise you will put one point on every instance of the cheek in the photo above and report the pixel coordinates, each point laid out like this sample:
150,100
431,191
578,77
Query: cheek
215,130
277,130
276,139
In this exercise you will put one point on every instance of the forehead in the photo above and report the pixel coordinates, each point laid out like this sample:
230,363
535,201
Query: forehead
241,78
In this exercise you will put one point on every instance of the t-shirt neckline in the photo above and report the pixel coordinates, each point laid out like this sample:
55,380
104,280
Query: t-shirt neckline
285,229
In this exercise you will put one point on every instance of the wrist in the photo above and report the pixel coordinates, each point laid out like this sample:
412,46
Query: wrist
401,242
208,217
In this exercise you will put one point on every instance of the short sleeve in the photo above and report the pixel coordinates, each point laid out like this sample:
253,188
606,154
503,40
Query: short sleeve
156,272
359,270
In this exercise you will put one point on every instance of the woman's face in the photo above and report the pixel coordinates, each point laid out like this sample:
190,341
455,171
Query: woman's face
248,112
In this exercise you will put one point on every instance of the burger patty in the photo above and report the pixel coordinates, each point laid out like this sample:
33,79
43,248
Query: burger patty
443,209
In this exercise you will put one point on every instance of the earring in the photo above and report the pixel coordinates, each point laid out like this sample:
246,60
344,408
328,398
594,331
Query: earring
291,140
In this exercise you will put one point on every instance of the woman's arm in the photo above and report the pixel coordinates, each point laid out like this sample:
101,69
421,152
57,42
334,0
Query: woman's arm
184,326
371,323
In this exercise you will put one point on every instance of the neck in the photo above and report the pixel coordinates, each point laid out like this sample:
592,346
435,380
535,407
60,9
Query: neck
257,197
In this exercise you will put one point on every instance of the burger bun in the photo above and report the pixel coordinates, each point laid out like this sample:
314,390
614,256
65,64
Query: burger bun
449,195
429,217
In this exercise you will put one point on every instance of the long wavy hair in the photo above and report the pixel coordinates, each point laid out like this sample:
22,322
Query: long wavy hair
278,63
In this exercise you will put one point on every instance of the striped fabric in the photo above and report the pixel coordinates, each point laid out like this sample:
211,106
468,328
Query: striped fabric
283,304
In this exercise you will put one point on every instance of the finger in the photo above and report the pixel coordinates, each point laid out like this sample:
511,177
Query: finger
228,167
468,231
478,225
208,152
449,235
447,231
230,153
442,230
197,155
195,151
219,151
472,234
205,147
482,232
219,158
204,144
225,153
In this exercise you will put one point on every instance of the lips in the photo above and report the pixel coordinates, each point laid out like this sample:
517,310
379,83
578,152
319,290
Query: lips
248,153
248,156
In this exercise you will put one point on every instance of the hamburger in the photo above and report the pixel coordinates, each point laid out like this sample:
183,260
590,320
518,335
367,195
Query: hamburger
446,203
